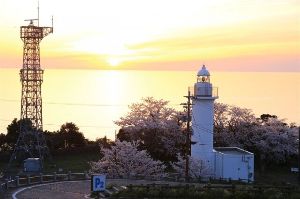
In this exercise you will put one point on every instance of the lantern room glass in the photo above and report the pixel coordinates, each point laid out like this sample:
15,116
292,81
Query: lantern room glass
203,79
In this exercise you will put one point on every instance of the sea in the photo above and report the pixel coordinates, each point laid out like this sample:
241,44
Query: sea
94,99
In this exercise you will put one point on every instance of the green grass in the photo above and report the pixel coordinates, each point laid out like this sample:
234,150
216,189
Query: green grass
73,163
242,192
2,166
79,163
276,175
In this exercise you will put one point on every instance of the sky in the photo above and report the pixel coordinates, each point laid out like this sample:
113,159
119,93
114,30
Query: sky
228,35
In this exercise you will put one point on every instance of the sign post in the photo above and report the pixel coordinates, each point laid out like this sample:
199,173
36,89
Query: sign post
98,183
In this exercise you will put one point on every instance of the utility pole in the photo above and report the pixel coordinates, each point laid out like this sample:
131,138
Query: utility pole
299,155
188,134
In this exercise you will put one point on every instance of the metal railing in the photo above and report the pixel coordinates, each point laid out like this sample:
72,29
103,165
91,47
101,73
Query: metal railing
204,91
21,181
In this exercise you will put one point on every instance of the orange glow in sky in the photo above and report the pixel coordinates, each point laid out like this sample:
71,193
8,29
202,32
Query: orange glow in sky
229,35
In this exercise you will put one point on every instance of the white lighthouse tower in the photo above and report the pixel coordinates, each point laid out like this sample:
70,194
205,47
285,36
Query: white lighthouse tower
220,162
203,119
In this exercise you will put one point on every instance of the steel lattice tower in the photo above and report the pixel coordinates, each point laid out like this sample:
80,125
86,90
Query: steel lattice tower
31,141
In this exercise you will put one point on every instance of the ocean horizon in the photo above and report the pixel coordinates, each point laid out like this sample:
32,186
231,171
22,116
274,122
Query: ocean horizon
93,99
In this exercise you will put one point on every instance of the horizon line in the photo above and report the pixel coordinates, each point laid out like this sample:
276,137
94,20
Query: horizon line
162,70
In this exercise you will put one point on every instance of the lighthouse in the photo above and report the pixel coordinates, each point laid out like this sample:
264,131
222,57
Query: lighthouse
231,163
203,119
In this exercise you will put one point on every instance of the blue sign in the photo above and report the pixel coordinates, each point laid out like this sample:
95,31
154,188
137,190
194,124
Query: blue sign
98,183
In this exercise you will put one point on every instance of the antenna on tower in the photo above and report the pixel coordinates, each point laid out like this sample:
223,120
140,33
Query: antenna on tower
52,22
38,13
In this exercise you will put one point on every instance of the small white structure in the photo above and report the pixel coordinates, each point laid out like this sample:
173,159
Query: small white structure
234,163
32,165
217,160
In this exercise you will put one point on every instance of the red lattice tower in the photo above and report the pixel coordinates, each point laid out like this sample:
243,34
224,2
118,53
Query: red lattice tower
31,141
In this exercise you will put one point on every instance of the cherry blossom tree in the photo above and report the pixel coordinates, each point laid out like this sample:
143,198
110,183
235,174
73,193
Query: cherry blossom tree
273,140
197,168
228,120
270,138
157,126
124,160
231,117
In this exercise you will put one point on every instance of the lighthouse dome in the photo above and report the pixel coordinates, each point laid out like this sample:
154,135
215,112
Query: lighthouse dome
203,72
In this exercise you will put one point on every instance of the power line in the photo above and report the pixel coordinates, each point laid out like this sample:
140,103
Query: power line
9,100
77,104
53,124
5,120
84,126
79,126
67,103
84,104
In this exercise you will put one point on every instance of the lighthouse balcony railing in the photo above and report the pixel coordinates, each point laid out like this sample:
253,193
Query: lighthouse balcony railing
204,91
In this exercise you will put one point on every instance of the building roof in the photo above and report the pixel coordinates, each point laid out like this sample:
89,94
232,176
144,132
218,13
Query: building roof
232,151
32,159
203,72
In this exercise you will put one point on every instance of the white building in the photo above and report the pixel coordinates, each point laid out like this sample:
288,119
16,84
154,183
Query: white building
223,162
234,163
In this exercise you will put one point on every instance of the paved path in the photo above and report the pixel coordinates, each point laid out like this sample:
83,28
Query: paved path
59,190
71,189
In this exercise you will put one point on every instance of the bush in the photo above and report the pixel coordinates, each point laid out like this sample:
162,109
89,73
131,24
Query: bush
247,192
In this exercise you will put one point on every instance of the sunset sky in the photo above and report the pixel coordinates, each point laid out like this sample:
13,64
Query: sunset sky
228,35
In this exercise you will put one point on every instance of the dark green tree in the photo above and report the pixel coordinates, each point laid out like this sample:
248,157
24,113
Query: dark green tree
13,131
55,141
2,141
71,135
104,142
266,117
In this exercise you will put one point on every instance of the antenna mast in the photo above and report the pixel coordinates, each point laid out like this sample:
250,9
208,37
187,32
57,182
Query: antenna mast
38,13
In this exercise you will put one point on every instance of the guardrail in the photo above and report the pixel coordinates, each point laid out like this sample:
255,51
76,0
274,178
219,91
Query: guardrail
27,180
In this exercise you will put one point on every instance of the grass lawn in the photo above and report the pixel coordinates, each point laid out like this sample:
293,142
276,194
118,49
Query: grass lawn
276,175
2,166
73,162
79,163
